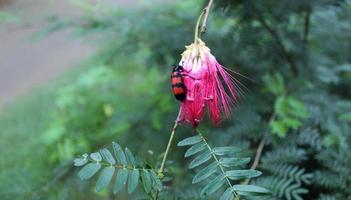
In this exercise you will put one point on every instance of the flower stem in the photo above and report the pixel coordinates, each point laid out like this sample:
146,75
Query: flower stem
160,171
204,21
204,17
197,27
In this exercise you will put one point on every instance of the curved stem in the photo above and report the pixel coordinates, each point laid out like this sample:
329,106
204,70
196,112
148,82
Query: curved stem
197,27
207,11
204,17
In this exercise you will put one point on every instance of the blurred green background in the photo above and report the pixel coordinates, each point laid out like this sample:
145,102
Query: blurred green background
297,53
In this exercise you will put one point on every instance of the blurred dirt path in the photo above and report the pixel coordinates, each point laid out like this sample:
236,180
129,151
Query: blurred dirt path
25,63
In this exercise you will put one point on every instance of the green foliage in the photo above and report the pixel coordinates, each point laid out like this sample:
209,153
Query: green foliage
6,18
123,94
219,169
289,111
128,170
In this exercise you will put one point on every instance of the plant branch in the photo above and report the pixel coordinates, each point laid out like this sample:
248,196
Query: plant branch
257,158
306,29
306,26
204,18
160,171
258,153
259,150
207,10
286,54
196,36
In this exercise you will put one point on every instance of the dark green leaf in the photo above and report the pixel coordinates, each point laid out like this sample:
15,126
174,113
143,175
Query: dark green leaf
205,172
104,178
146,179
202,158
245,189
212,186
89,170
80,162
133,180
242,174
233,162
227,195
96,156
195,149
130,157
120,156
107,156
190,141
121,180
345,117
226,150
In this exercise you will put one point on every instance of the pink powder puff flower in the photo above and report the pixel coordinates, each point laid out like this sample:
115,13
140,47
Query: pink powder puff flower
209,86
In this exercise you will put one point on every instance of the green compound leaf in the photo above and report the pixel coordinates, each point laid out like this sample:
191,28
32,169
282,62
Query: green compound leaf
233,162
146,179
130,168
119,154
242,174
195,149
130,157
205,172
89,170
190,141
80,162
104,178
107,156
96,156
121,180
227,195
220,151
133,180
202,158
247,189
213,186
215,172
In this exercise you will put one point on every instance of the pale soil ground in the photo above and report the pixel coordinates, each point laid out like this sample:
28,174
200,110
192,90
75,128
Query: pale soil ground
26,63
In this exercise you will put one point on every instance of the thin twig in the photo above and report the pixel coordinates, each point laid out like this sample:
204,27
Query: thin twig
258,153
305,35
207,11
196,34
257,158
286,54
306,26
259,150
204,18
160,171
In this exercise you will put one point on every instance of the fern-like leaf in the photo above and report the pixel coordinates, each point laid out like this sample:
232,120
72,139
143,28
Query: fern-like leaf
128,169
216,166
